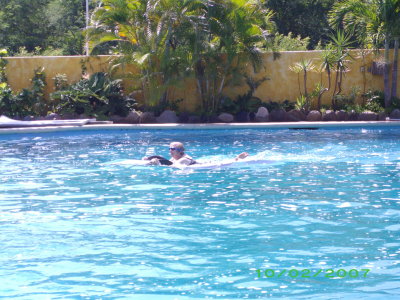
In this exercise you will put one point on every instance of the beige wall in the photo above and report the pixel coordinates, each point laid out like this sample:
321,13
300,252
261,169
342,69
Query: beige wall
282,83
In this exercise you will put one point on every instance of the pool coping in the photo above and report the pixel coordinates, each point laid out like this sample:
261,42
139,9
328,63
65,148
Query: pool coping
180,126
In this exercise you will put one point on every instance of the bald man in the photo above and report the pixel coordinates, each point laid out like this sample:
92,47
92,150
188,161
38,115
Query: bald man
179,158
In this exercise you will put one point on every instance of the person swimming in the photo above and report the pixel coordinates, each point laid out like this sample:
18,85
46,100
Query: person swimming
178,157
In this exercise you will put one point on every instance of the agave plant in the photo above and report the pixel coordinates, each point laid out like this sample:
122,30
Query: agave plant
304,66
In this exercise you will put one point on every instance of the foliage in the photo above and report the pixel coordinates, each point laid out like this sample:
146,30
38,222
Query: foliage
304,66
28,101
99,95
346,102
54,26
162,106
211,42
23,52
3,64
374,22
246,102
285,105
375,101
302,103
339,49
288,42
305,18
60,82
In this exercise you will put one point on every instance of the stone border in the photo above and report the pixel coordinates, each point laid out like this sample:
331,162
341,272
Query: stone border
269,125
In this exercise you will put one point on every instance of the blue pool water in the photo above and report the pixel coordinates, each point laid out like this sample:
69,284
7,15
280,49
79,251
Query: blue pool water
75,225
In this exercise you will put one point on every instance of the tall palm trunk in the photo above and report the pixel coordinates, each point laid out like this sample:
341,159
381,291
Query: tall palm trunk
386,75
395,67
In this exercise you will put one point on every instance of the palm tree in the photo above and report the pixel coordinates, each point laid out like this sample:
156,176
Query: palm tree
374,22
327,65
209,40
148,34
231,39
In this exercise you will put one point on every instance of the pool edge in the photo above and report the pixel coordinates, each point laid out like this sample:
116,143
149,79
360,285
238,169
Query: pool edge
271,125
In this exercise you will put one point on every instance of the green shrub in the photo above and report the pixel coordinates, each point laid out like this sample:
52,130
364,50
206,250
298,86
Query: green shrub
99,96
285,105
28,101
302,103
375,101
162,106
289,43
246,102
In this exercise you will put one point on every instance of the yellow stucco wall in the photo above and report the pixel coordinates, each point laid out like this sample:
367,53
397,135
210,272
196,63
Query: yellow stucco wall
282,83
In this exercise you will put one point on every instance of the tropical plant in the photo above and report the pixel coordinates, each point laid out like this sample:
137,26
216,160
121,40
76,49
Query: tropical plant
341,44
302,103
3,64
327,64
374,22
304,66
289,42
246,102
307,18
98,95
285,105
52,26
211,42
347,102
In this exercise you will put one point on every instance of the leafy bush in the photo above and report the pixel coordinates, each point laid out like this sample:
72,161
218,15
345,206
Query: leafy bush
246,102
302,103
289,43
99,96
28,101
162,106
285,105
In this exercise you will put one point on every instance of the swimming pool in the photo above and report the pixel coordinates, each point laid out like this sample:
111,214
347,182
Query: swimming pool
75,224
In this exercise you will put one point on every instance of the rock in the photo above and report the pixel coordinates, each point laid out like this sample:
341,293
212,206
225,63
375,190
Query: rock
183,117
117,119
252,116
83,116
367,116
382,116
132,118
226,118
278,115
167,116
211,119
28,118
53,116
242,116
395,114
329,115
262,115
342,116
69,116
194,119
314,116
353,116
147,117
296,115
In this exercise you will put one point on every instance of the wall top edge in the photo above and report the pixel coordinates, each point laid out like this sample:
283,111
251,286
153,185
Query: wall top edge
94,56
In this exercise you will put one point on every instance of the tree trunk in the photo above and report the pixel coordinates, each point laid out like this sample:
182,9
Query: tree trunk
334,90
305,84
386,75
394,70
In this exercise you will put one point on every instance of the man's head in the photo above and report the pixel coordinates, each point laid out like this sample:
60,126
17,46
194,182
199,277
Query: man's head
176,149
